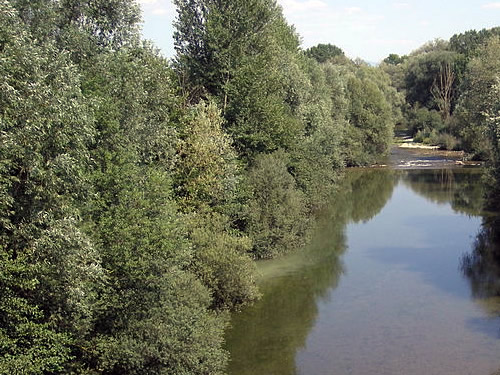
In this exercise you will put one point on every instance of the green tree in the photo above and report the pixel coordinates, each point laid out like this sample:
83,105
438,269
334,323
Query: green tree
208,184
155,316
51,272
211,38
370,116
316,159
493,122
221,261
84,28
207,173
468,42
225,49
424,72
477,98
277,219
324,52
395,59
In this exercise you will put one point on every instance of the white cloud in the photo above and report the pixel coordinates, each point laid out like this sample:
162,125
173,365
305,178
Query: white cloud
147,2
491,6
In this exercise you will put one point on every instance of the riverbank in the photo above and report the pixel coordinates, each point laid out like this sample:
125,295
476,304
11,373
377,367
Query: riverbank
407,154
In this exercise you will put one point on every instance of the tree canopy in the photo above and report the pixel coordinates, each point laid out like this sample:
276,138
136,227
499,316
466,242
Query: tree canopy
324,52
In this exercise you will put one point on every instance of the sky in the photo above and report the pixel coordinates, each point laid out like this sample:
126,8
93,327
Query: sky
369,30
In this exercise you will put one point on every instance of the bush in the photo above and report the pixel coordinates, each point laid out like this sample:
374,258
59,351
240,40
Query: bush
424,120
221,261
276,213
448,142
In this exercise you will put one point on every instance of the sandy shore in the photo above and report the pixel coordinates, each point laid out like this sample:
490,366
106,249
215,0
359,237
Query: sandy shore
407,142
407,154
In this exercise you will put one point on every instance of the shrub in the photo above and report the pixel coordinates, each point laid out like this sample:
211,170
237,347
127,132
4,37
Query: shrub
276,213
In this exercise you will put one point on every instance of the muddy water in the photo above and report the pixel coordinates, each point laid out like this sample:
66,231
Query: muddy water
394,282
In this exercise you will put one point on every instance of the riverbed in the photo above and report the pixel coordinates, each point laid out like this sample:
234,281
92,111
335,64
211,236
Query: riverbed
382,288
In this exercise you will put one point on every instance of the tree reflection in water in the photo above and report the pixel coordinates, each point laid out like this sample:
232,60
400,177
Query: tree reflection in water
481,266
458,187
266,336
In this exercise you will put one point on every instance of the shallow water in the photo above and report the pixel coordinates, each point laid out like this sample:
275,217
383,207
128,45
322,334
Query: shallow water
382,287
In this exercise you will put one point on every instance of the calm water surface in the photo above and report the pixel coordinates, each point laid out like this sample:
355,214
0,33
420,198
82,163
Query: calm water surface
394,282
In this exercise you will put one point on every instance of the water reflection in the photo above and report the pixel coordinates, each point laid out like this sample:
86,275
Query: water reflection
281,334
459,187
364,193
267,335
481,266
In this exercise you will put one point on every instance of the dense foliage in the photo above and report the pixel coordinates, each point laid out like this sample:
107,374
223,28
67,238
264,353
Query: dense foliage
448,86
324,52
136,192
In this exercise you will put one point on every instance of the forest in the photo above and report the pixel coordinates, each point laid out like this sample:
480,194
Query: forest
137,192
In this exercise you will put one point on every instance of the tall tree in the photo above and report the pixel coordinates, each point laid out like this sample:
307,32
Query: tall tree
468,42
370,114
424,75
239,53
277,218
207,185
442,89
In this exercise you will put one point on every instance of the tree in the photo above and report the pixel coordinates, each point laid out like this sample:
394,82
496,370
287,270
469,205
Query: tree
207,185
277,219
155,313
208,172
324,52
395,59
370,116
85,28
51,272
477,98
316,159
427,70
211,37
442,90
467,43
225,49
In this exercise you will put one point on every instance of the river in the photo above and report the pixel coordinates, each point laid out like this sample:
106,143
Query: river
391,284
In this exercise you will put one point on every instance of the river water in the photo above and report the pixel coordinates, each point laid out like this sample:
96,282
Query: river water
395,281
